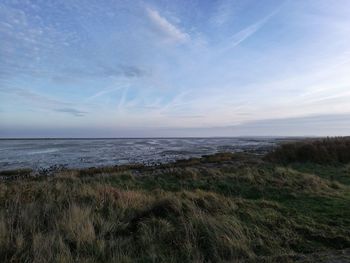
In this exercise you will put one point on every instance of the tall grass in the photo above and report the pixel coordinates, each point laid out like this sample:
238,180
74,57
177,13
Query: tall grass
223,208
323,151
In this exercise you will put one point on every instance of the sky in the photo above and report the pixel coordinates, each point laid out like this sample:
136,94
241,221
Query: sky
113,68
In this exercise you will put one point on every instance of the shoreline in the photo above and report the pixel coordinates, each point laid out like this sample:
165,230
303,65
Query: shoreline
45,154
52,170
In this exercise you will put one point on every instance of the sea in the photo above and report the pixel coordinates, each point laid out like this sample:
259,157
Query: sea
83,153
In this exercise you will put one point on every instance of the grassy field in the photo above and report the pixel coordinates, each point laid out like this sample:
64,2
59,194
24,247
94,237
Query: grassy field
220,208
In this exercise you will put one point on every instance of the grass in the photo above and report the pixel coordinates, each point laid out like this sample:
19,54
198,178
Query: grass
322,151
220,208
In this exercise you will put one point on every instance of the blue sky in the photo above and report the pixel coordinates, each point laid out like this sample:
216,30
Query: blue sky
77,68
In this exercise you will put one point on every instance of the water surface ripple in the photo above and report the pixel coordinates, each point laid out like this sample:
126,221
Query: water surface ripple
78,153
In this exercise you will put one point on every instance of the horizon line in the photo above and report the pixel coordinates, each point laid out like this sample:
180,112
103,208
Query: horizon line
160,137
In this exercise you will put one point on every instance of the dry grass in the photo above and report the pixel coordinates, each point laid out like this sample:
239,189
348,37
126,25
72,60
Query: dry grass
226,210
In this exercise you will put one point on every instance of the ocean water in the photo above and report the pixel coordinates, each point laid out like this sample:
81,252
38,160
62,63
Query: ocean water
78,153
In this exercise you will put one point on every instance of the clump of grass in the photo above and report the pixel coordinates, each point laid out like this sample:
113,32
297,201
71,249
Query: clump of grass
13,174
77,226
107,169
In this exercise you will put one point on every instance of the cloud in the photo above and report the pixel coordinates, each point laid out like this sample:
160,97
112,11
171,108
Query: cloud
318,125
129,71
43,102
315,125
27,38
113,88
56,41
242,35
312,125
223,13
72,75
135,67
247,32
33,97
170,31
71,111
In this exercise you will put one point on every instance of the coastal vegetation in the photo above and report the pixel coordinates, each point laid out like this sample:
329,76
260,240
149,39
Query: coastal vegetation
291,205
324,151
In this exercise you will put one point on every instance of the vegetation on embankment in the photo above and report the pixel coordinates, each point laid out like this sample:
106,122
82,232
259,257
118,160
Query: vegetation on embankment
322,151
221,208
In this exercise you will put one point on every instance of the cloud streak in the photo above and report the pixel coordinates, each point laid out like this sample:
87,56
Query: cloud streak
247,32
71,111
43,102
167,29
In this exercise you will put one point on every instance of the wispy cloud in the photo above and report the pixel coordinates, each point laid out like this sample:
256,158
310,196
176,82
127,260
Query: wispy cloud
170,31
113,88
72,111
26,37
40,101
247,32
32,97
122,99
100,70
223,13
242,35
